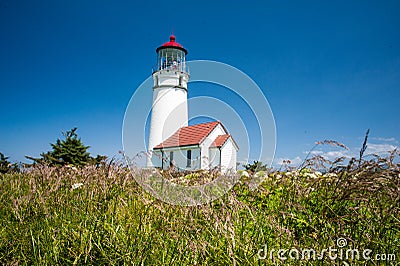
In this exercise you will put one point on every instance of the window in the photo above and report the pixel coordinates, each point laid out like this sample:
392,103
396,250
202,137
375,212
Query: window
180,81
189,158
171,158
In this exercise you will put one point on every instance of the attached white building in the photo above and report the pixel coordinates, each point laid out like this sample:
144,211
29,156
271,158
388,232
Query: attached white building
172,143
201,146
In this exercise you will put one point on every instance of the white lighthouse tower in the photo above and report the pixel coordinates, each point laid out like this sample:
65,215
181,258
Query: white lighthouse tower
169,110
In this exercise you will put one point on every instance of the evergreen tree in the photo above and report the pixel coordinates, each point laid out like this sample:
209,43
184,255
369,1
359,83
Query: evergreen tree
98,160
68,151
4,164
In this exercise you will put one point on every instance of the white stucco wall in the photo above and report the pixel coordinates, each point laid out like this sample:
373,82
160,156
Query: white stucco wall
180,158
156,158
228,156
214,156
205,145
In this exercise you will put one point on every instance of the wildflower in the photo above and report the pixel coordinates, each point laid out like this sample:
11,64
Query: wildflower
330,175
312,175
77,185
259,174
243,173
292,174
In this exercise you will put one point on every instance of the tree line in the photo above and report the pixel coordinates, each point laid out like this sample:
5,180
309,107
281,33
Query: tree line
67,151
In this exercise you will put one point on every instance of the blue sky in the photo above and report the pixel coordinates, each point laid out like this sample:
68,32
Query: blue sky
329,69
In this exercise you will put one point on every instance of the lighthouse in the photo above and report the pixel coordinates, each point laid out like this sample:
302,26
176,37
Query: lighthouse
172,142
169,109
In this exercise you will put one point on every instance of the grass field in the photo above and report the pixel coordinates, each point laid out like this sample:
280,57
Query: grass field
100,216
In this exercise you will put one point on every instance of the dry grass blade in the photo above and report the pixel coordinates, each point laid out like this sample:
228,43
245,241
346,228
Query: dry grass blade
364,146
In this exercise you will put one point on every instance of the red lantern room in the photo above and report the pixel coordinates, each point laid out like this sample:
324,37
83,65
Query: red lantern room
171,56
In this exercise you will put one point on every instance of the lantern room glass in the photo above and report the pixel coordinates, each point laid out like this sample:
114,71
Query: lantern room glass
171,59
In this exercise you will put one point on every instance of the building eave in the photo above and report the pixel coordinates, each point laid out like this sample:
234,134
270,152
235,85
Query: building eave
184,147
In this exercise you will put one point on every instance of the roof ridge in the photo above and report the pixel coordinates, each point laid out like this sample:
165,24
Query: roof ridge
218,122
205,136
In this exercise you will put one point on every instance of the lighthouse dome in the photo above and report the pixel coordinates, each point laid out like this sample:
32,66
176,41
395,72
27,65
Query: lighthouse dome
172,44
171,56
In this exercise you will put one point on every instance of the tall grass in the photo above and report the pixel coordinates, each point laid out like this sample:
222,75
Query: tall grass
63,215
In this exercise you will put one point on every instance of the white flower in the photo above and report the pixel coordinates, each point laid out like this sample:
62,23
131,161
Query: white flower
293,174
310,175
71,167
244,173
77,185
330,175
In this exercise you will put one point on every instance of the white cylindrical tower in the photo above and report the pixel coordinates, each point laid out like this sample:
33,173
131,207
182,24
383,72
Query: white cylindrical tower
169,110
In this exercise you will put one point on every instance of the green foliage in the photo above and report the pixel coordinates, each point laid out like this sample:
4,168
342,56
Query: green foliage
98,161
5,165
70,151
255,167
100,216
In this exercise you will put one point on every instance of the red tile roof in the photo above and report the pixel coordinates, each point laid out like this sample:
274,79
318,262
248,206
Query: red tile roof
220,140
191,135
